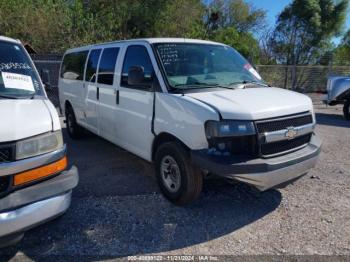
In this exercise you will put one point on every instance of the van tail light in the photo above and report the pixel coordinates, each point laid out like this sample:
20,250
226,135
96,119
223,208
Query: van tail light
40,173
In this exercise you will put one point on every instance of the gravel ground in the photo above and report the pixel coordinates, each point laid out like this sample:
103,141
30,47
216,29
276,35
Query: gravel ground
117,209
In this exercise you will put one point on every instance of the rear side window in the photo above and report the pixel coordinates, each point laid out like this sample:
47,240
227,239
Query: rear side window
73,65
136,55
91,66
107,66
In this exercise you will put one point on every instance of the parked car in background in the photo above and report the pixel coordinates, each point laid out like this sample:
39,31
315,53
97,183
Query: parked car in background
191,107
338,92
34,183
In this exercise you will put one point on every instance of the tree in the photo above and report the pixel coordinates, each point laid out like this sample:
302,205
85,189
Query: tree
55,25
234,23
181,18
304,30
341,54
243,42
243,16
43,24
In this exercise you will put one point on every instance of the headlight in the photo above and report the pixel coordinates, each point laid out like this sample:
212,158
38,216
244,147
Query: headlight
39,145
229,128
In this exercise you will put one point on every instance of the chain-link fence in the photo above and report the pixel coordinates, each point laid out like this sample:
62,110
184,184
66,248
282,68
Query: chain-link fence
52,64
305,78
302,78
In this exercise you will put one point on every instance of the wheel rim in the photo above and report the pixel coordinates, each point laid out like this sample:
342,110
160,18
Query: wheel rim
170,173
70,123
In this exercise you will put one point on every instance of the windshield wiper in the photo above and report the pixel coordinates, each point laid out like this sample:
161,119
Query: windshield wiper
245,82
31,96
8,97
198,85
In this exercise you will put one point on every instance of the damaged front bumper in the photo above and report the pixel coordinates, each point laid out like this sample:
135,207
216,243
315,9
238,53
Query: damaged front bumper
263,173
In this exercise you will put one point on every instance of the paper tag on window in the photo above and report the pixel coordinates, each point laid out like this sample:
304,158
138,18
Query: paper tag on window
252,71
17,81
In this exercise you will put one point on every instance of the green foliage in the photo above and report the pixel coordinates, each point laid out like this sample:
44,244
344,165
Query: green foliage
233,22
243,42
305,28
55,25
304,31
239,14
302,35
181,18
42,23
342,52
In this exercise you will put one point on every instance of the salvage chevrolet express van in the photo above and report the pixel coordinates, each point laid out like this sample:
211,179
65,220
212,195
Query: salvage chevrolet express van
193,108
34,186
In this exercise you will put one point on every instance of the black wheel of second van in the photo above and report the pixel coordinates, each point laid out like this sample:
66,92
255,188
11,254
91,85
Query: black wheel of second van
179,181
74,130
346,109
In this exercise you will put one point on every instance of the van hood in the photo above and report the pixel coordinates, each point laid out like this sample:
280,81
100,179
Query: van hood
23,118
255,103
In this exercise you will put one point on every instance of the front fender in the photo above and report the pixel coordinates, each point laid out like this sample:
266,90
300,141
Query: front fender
338,89
184,118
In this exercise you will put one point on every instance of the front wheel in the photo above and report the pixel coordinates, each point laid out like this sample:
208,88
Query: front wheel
346,109
179,181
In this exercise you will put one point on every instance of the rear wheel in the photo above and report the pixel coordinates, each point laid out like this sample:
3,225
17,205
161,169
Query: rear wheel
74,130
179,181
346,109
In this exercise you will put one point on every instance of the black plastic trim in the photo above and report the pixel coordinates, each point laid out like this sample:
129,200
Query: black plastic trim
226,165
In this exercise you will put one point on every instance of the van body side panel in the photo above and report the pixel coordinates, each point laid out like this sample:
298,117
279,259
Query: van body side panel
134,126
183,117
134,116
71,90
107,106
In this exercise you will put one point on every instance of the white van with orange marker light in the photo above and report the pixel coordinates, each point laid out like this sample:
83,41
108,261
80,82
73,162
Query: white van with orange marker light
34,183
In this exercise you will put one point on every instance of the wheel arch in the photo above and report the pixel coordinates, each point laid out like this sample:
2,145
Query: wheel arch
67,104
163,138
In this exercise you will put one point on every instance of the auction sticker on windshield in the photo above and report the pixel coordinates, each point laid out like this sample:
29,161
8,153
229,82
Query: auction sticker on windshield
17,81
252,71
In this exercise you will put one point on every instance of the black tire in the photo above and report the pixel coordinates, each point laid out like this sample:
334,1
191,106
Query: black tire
74,130
191,182
346,109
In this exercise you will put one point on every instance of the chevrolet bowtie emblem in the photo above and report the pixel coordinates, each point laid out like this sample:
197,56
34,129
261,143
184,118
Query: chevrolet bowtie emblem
291,132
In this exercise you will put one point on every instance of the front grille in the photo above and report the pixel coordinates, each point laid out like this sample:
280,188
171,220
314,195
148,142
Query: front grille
285,145
280,124
6,153
4,184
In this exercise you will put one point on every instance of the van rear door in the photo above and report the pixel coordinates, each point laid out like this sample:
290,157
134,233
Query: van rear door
72,81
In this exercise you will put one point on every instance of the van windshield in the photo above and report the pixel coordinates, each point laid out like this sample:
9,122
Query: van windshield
189,66
18,78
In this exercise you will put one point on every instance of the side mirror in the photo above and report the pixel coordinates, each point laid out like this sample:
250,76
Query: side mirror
45,77
136,77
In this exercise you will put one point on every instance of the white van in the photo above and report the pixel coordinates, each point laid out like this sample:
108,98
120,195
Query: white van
34,183
193,108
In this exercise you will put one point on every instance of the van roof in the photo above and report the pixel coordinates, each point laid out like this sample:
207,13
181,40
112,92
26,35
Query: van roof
148,40
8,39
